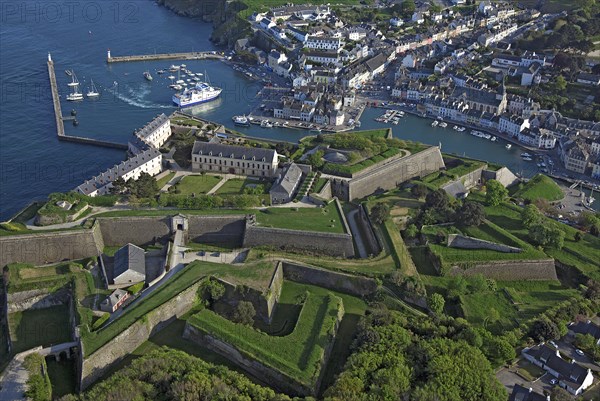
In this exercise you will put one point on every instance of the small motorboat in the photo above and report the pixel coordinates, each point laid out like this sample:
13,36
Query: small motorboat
508,146
435,123
69,73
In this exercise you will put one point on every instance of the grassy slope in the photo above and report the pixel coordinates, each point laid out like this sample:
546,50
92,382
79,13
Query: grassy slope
298,354
198,184
540,187
44,327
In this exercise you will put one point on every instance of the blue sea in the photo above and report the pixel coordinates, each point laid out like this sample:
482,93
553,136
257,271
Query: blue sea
33,163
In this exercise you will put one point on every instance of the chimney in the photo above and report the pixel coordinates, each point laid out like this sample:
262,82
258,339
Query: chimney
530,390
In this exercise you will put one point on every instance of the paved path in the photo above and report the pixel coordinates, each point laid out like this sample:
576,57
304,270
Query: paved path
356,234
219,185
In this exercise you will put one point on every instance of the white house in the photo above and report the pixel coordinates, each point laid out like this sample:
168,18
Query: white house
267,23
537,137
417,18
396,22
240,160
410,60
512,125
148,161
156,132
275,58
571,376
323,43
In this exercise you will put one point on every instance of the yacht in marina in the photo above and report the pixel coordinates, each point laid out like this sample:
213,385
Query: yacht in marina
74,84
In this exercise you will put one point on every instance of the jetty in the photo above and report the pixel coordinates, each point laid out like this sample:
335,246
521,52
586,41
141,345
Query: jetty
165,56
60,125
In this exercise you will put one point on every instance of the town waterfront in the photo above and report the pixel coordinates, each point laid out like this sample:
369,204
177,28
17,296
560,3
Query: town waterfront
34,163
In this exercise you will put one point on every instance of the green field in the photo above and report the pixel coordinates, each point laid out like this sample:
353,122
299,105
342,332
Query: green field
299,354
540,187
326,219
455,168
319,184
515,301
34,327
197,184
235,186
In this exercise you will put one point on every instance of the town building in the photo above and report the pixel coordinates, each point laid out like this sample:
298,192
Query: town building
512,125
587,327
287,185
571,376
574,155
129,266
327,43
588,79
521,393
231,159
537,138
114,301
148,161
156,132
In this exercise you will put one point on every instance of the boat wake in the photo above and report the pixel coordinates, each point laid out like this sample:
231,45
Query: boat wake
135,100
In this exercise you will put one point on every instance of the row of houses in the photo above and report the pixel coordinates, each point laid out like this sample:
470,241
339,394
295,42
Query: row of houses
145,157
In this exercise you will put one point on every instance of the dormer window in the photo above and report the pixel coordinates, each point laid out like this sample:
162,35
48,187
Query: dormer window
244,157
253,158
210,153
263,159
220,154
231,156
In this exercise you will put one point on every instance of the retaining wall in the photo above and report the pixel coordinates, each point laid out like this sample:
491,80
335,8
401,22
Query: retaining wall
37,299
350,284
463,242
512,270
94,366
388,174
304,241
217,229
45,248
503,175
118,231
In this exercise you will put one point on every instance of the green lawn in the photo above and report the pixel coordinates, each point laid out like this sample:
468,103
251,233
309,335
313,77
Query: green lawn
34,327
197,184
319,184
540,187
299,354
63,376
235,186
326,219
163,181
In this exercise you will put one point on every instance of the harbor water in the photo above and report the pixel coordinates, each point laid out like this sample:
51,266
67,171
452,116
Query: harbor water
33,163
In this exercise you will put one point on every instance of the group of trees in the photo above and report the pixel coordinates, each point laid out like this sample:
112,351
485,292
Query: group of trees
144,187
396,356
210,201
540,232
439,208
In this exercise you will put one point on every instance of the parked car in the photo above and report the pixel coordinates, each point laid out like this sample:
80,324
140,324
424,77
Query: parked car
554,381
579,352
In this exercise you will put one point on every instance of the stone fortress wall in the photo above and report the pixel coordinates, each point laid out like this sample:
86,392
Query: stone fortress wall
94,366
139,230
387,174
227,229
541,269
464,242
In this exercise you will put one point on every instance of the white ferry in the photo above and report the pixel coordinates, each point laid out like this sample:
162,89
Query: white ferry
200,93
241,120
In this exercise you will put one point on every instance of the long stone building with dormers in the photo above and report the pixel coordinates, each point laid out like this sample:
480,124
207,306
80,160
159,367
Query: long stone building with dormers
230,159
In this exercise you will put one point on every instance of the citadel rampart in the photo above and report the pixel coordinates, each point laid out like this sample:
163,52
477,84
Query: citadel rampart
354,285
37,299
217,229
543,269
463,242
294,240
45,248
387,174
104,358
117,231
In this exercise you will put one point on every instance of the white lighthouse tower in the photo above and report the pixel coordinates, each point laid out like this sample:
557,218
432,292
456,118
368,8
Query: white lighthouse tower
49,57
108,54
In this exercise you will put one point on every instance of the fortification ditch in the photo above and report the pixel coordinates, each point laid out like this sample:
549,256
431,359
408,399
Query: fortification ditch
353,285
94,366
117,231
217,229
37,299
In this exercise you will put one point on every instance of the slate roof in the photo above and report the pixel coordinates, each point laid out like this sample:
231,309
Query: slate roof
129,257
586,328
572,374
521,393
114,298
152,126
476,95
289,180
234,152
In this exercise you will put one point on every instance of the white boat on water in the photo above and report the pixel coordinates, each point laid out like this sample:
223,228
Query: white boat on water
527,159
201,92
443,124
266,124
74,84
493,139
525,154
171,77
241,120
173,68
508,146
93,92
435,123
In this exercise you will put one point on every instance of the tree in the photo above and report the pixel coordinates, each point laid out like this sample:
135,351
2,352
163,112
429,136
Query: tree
478,283
470,214
544,330
316,159
531,215
411,231
560,83
457,285
211,291
144,187
407,8
419,190
593,289
498,350
118,186
437,200
547,236
436,303
244,313
380,212
495,193
560,394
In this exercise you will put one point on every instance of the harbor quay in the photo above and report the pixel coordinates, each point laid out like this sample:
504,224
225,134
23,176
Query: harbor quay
164,56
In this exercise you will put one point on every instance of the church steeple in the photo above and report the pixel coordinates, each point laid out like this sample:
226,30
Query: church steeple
501,91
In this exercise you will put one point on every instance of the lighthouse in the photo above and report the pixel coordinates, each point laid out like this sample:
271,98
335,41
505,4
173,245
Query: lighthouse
49,57
108,54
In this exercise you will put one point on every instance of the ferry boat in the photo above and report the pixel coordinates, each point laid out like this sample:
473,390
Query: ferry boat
241,120
147,75
75,95
200,93
93,92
